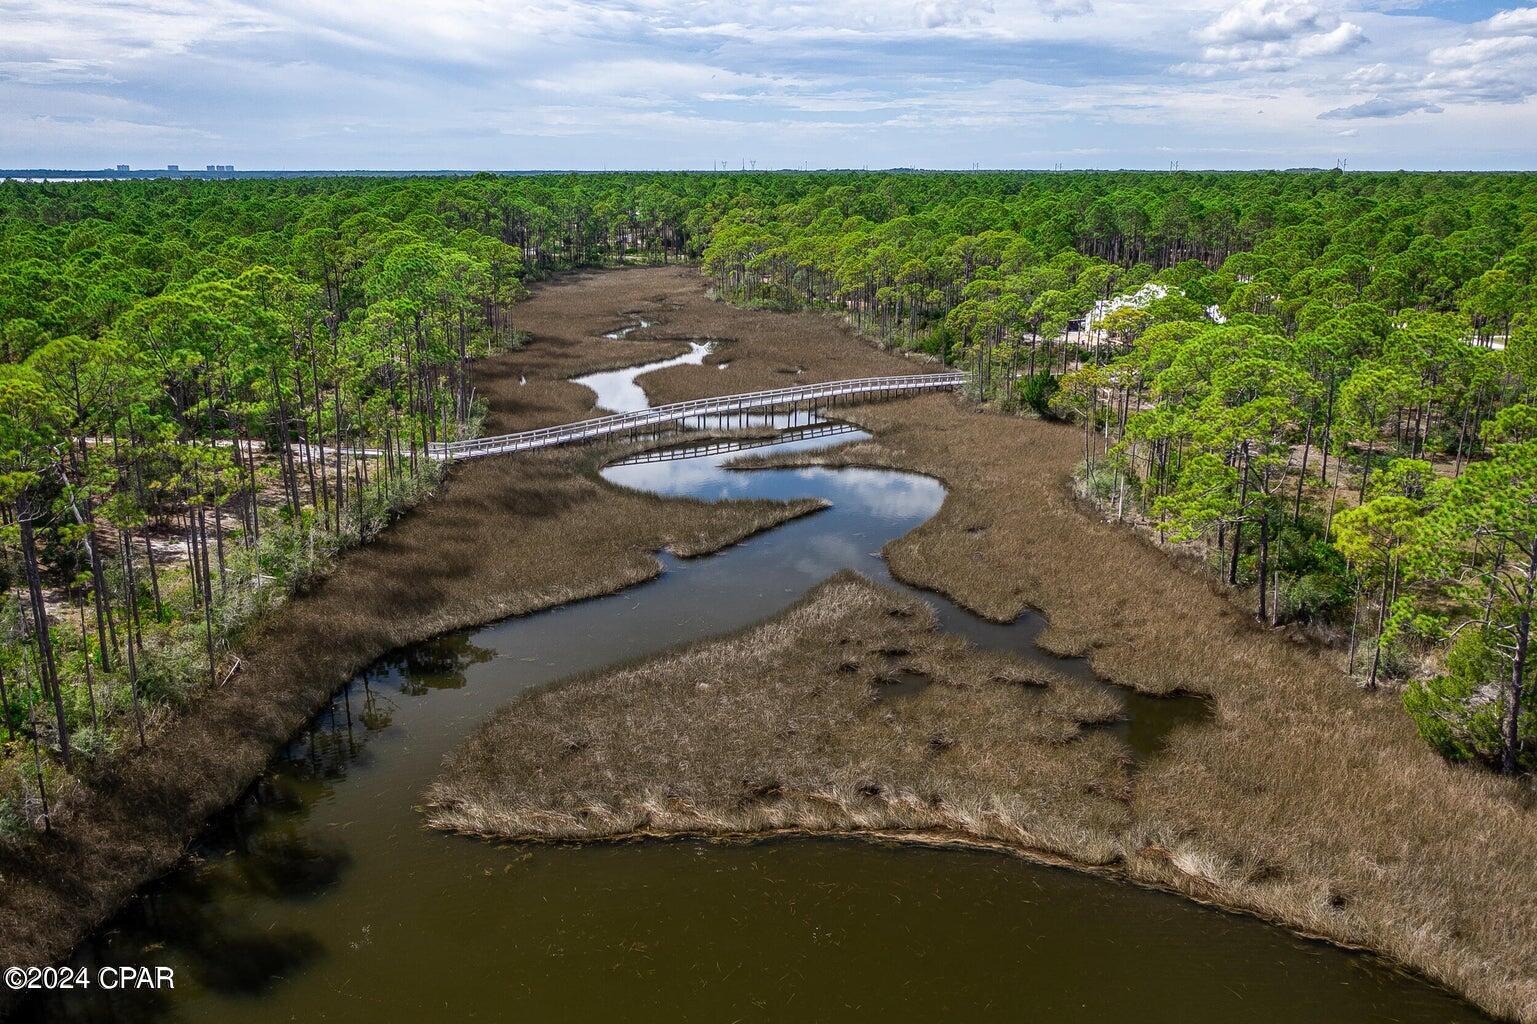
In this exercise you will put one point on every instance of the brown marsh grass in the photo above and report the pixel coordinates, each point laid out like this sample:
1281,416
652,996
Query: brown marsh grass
569,317
847,713
763,350
1307,800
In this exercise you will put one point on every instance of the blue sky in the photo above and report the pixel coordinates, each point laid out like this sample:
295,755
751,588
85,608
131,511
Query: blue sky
399,84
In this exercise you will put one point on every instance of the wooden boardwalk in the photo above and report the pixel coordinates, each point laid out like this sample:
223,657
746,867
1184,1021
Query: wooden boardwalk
647,421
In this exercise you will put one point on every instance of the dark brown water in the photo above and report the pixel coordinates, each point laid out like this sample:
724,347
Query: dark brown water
320,896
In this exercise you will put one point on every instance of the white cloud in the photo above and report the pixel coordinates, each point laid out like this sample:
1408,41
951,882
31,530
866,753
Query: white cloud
940,13
1380,106
1252,21
1342,38
1499,82
1056,10
1378,75
1483,51
1267,36
1498,64
1519,19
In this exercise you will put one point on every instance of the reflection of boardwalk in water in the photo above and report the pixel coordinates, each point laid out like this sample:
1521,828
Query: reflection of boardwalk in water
729,445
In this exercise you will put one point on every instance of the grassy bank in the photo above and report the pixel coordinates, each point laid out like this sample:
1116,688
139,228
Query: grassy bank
847,713
1307,801
502,537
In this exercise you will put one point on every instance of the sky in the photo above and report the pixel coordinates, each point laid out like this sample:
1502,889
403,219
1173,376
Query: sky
632,84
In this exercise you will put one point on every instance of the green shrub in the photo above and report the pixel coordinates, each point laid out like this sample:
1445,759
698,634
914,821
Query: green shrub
1460,713
938,342
1399,660
92,746
19,701
1100,483
1037,391
13,821
1315,595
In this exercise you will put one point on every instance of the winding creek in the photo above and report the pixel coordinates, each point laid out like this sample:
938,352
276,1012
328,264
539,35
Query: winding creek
321,897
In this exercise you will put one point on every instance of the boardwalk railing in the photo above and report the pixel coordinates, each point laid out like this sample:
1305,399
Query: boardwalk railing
659,416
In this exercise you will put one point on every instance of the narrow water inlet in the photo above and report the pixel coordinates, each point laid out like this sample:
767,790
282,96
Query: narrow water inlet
319,895
617,390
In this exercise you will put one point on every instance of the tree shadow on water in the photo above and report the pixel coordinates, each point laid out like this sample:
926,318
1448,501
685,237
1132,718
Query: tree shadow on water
186,924
439,664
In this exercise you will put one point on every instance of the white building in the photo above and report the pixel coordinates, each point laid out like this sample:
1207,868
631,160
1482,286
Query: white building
1139,299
